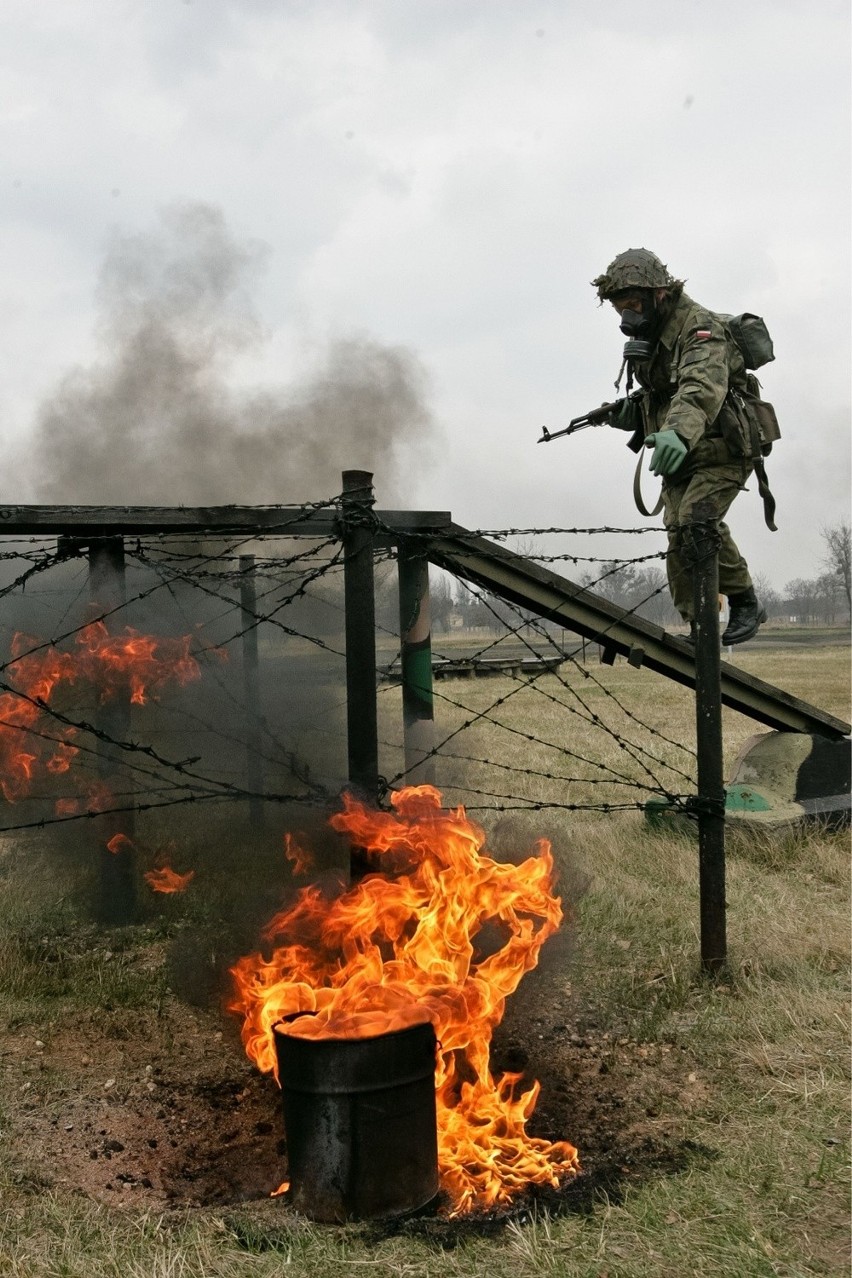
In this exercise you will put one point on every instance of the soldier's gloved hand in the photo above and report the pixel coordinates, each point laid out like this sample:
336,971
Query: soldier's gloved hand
669,452
627,416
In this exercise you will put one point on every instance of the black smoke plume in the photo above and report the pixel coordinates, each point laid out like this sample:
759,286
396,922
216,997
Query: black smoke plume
156,419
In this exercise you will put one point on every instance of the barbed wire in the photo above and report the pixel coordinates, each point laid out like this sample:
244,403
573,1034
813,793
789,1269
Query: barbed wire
589,559
286,755
189,779
267,796
488,714
549,776
500,534
215,576
257,617
641,755
586,674
41,565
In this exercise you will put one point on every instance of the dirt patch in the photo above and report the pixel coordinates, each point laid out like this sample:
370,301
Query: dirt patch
169,1113
163,1108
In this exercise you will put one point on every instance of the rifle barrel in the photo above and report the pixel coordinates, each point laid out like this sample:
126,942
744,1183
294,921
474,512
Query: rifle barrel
547,435
597,417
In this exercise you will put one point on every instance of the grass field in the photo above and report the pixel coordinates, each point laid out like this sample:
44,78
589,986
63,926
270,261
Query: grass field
744,1081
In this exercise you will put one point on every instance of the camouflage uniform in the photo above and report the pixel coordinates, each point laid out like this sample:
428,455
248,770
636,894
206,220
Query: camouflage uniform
685,381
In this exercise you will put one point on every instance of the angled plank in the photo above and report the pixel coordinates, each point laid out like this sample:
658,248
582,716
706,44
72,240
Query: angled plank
492,566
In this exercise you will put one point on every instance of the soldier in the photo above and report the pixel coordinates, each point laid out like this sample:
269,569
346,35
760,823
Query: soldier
685,361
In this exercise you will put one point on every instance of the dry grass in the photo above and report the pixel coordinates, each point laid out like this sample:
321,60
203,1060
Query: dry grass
766,1047
594,724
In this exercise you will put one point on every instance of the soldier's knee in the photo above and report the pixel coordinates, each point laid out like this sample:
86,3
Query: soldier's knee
698,539
703,511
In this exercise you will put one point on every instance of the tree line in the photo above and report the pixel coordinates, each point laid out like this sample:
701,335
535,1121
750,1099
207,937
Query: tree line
825,599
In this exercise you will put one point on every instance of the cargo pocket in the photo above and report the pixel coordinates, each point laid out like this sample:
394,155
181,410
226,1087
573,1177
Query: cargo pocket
732,423
768,430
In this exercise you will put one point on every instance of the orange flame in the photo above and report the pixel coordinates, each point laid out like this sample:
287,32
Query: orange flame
165,879
118,843
144,662
95,796
22,750
31,741
399,947
300,859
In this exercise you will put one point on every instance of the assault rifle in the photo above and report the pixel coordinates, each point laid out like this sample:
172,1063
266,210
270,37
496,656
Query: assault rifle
597,417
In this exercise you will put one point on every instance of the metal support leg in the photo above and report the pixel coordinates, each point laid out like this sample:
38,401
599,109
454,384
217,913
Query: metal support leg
418,719
708,716
251,688
117,867
359,594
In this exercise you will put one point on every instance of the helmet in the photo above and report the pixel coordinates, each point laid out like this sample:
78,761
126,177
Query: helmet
635,268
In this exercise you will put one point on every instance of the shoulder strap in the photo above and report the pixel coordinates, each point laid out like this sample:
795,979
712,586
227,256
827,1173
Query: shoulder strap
637,490
757,462
766,495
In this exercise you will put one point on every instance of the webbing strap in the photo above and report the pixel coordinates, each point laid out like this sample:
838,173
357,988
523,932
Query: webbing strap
637,490
762,487
766,495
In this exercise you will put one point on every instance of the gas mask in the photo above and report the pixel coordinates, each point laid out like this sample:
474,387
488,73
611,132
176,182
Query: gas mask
641,330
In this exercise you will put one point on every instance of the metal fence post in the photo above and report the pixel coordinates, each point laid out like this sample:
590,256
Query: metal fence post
708,719
359,597
117,868
251,687
415,636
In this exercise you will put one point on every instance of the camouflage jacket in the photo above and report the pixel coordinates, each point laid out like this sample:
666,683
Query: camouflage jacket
686,379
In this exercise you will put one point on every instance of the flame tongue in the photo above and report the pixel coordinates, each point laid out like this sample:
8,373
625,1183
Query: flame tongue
30,740
393,951
142,662
164,879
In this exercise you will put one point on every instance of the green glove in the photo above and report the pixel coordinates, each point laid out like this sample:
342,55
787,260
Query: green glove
669,452
628,415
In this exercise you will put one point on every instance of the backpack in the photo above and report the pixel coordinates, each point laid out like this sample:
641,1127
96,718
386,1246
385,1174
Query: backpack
750,426
758,424
752,337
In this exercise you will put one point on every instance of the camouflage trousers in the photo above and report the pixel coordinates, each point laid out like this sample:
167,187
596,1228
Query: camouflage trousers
703,496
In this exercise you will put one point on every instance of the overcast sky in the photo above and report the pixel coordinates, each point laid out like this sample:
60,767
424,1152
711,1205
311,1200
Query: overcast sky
438,180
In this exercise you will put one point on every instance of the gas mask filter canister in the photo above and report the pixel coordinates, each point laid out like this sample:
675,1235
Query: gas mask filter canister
640,331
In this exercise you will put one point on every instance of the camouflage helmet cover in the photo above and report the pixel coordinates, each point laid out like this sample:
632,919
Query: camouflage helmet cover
635,268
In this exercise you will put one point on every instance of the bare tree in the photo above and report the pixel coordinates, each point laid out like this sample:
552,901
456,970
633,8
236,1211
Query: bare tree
838,556
800,597
767,594
442,600
828,596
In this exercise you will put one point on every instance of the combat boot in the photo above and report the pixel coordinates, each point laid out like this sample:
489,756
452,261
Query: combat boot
747,614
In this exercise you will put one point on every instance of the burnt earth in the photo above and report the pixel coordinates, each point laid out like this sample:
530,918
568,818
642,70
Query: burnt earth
163,1108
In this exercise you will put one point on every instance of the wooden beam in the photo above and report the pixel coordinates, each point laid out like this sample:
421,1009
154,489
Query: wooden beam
221,521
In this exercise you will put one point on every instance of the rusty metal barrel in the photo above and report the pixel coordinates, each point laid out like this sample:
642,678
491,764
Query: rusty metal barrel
359,1122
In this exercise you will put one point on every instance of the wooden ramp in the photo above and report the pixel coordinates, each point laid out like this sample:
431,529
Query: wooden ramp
555,598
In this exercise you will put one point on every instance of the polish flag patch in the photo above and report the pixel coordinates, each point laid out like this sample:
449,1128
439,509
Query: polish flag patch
702,334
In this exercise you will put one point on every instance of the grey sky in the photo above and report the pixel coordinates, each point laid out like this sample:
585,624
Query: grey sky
448,176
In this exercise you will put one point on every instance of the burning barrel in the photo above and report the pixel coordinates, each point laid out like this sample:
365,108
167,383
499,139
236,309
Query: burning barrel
359,1118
